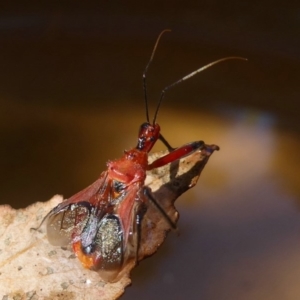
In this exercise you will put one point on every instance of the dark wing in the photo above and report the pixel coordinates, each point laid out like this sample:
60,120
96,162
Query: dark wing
118,235
67,220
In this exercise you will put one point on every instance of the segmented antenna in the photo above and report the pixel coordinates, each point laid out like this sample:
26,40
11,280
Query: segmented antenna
145,72
187,77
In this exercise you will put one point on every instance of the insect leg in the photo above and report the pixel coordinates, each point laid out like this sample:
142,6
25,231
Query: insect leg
165,142
177,153
138,222
147,192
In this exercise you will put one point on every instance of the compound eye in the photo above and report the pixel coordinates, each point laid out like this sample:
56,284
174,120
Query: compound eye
144,127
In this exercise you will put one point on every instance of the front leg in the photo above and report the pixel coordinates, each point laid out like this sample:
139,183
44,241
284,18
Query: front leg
176,154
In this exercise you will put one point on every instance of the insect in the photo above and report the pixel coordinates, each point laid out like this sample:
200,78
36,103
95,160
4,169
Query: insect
102,223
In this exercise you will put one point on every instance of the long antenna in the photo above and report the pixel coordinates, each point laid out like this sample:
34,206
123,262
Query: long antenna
145,72
187,77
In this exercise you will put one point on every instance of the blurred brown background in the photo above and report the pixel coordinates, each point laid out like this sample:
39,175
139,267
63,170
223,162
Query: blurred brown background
71,98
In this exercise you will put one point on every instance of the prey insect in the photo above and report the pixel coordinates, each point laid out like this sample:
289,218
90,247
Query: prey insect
102,223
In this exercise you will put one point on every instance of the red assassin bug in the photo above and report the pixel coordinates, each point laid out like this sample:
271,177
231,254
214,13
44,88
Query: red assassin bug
102,223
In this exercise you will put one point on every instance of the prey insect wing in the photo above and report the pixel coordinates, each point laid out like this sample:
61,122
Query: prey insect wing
71,215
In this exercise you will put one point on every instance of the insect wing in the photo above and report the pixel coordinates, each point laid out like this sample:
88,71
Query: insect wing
63,227
130,212
110,247
67,220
